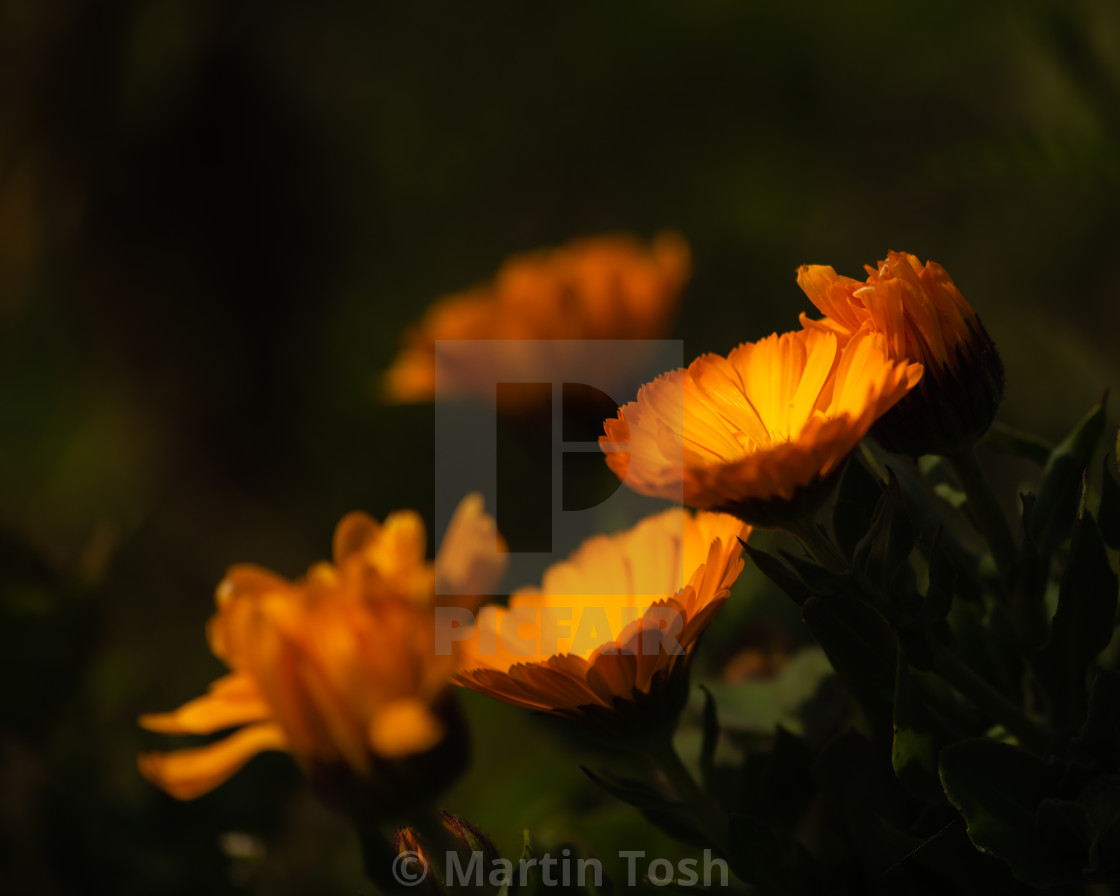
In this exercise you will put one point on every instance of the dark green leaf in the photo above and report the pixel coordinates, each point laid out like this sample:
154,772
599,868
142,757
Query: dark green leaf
780,574
1100,736
774,785
942,576
859,790
1027,584
1101,799
770,860
1055,511
882,553
1082,625
916,738
861,648
856,499
711,738
671,816
762,706
1109,511
997,788
1064,827
1005,440
941,477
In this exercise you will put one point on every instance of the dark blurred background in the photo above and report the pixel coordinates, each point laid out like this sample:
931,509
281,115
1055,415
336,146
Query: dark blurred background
216,219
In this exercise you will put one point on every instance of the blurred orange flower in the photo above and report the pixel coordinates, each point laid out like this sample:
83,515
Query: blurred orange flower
924,318
339,667
612,624
609,287
753,433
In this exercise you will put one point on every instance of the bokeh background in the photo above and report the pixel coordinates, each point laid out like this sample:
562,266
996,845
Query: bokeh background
217,218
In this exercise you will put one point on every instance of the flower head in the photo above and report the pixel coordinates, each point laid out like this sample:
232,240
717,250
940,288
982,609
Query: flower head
757,432
610,628
608,287
924,318
338,667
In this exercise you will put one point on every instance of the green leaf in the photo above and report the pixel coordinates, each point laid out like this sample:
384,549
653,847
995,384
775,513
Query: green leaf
1082,625
1059,492
861,648
1005,440
774,785
942,576
1027,583
882,553
916,738
1101,799
856,500
917,628
672,817
818,579
941,477
708,744
1065,828
780,574
1100,736
997,788
533,883
762,706
1108,513
859,790
771,861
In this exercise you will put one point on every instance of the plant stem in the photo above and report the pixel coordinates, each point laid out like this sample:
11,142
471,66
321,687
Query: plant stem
819,545
1010,441
709,816
985,509
950,667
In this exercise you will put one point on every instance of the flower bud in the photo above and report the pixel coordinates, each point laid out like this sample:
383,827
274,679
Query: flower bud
925,319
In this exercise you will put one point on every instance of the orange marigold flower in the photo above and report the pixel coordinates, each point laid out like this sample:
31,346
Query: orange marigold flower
338,667
756,433
609,287
609,629
924,318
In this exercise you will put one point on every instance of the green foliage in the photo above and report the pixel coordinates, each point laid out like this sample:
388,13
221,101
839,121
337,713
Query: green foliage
998,788
1055,511
1081,628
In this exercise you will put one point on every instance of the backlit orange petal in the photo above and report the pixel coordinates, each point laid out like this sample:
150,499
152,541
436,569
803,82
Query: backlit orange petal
189,773
650,586
403,727
232,701
754,424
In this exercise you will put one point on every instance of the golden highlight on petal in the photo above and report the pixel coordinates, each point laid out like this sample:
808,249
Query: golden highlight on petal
621,612
749,431
923,318
609,287
232,701
186,774
340,667
403,727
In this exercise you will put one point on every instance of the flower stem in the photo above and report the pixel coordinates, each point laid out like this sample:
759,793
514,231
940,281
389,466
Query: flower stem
985,509
708,815
950,667
819,546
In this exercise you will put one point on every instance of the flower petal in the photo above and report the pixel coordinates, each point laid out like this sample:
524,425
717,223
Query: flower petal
404,727
186,774
233,700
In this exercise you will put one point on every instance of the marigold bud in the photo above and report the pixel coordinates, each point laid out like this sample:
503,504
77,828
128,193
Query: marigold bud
925,319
